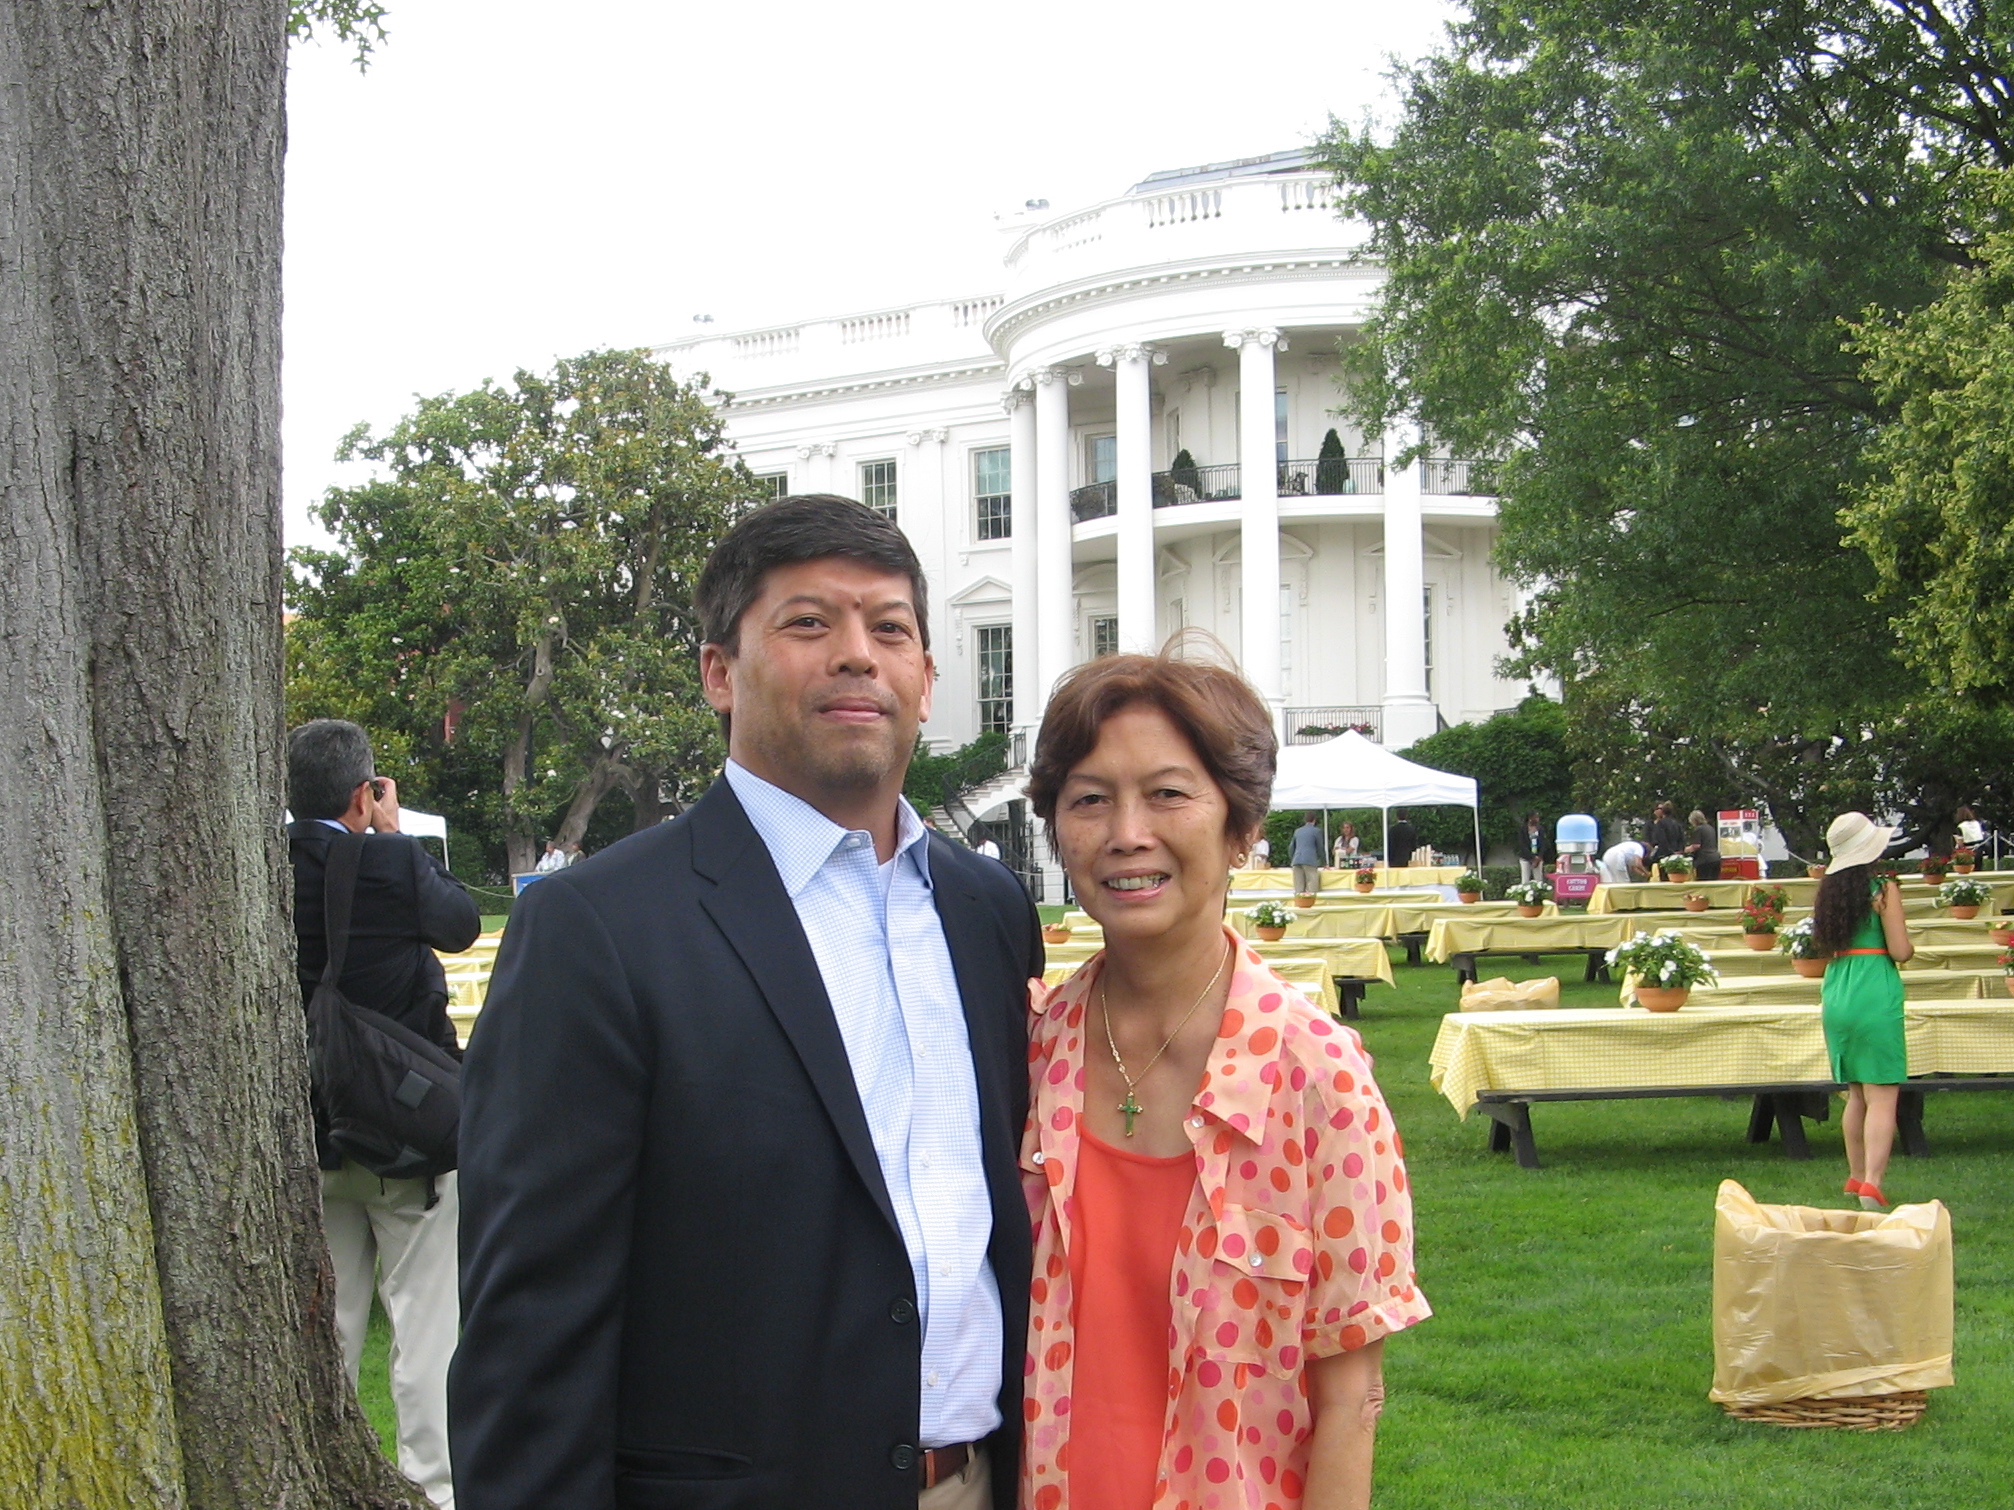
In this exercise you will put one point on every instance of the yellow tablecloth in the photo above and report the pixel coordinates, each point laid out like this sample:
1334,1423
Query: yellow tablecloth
1282,879
1363,958
1938,956
1462,935
1648,896
1787,990
1803,891
1386,921
1612,1048
1309,973
1421,875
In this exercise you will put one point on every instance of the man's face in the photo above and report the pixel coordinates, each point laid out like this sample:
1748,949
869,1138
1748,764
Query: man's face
830,680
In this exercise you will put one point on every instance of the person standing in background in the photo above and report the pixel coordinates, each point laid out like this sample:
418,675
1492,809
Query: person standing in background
1348,846
390,1237
1401,839
1703,848
1666,839
1306,856
1535,850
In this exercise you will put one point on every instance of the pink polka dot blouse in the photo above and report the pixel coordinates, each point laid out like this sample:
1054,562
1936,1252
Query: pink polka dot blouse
1297,1243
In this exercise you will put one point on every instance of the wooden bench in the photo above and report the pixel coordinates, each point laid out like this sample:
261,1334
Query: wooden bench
1780,1107
1464,960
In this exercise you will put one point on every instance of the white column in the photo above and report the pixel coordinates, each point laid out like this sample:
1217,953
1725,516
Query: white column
1408,711
1131,370
1020,406
1055,595
1259,537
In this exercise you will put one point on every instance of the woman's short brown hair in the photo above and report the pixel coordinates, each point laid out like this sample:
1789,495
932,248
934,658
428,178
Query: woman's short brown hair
1214,707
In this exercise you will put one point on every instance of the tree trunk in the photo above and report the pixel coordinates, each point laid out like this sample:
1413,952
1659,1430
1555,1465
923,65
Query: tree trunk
520,842
165,1329
602,777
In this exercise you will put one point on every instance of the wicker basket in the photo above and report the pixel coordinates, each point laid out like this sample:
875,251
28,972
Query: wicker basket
1896,1412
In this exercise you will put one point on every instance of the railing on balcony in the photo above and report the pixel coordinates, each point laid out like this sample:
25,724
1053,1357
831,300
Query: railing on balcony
1095,500
1308,726
1196,485
1338,474
1450,475
1296,479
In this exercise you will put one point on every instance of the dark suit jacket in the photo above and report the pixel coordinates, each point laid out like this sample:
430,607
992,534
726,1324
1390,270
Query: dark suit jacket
683,1286
1402,838
406,907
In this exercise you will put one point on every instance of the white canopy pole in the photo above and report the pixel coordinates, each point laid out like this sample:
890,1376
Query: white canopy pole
1385,848
1476,812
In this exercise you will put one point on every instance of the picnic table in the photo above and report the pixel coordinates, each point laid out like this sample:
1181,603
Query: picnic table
1933,984
1282,878
1308,973
1499,1063
1390,918
1799,893
1929,956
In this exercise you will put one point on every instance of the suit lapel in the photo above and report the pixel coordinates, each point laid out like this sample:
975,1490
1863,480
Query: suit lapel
748,903
973,936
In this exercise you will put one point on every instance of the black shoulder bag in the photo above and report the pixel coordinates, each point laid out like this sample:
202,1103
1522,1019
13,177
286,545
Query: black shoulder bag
390,1099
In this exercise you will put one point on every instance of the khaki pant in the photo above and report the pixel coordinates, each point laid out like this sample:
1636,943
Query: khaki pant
1307,880
970,1490
382,1237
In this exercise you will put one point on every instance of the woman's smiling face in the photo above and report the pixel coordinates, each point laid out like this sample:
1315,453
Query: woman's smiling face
1141,826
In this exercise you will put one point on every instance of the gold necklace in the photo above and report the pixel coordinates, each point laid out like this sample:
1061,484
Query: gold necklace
1131,1106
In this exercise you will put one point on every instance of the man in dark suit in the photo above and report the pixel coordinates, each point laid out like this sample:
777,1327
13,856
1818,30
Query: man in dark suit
396,1237
1401,839
742,1221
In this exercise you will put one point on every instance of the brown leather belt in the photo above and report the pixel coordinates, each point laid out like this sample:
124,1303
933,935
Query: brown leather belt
936,1464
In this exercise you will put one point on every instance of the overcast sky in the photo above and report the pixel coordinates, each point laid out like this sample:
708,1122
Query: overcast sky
512,181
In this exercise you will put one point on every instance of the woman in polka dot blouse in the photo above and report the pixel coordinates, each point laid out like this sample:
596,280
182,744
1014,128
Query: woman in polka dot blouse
1223,1229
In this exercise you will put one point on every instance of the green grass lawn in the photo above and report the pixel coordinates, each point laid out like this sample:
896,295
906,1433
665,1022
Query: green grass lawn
374,1382
1569,1358
1571,1350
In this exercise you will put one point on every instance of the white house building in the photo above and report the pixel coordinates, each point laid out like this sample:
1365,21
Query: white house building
1027,440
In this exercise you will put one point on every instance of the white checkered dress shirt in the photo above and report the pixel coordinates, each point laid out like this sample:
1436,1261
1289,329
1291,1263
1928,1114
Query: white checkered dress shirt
880,948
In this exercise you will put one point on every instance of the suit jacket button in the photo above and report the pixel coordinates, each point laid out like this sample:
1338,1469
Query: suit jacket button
902,1458
902,1310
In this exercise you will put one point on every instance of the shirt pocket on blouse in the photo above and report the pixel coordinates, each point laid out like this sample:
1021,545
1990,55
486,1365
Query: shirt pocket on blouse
1256,1289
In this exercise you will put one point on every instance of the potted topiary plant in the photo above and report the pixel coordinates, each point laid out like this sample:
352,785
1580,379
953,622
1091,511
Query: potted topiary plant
1964,898
1530,896
1665,967
1469,887
1184,474
1332,467
1696,901
1269,920
1806,958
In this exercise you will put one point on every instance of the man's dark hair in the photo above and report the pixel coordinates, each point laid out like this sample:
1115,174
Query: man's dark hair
326,761
802,527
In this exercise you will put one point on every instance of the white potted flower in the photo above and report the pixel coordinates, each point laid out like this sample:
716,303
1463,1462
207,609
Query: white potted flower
1666,968
1270,919
1530,896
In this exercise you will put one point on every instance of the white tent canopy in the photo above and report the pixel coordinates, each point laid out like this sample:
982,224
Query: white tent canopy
1351,771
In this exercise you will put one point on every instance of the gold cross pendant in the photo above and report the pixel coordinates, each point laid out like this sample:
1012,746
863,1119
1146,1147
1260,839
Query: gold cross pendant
1131,1108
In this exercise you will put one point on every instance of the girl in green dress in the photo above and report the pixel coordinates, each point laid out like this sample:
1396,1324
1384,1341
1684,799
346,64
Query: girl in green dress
1859,920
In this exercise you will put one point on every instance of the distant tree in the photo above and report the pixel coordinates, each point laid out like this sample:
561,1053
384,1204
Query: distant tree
1623,241
1332,469
1937,516
165,1294
517,587
1519,761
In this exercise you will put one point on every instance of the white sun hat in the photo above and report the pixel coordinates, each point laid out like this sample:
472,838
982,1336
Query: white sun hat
1855,839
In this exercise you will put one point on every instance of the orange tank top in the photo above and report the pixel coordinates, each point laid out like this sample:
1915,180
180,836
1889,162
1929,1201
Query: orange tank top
1127,1215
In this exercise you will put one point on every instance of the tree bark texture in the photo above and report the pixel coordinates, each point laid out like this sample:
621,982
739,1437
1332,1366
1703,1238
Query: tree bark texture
165,1329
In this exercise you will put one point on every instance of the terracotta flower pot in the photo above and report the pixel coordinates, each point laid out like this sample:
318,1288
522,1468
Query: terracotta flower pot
1759,941
1959,910
1810,969
1304,899
1963,870
1055,933
1816,872
1662,998
1696,904
2010,984
1367,883
1530,909
1470,896
1272,933
2001,936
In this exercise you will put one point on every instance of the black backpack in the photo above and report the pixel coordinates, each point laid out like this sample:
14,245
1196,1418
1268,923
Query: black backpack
389,1099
